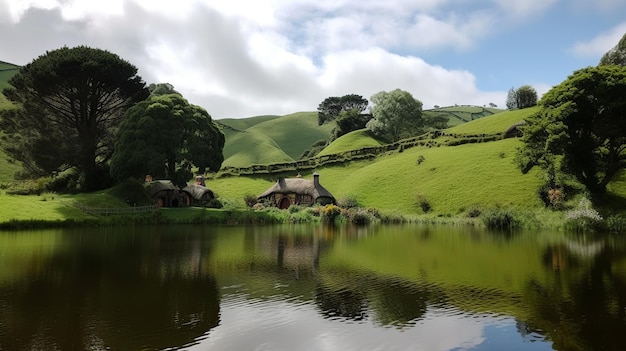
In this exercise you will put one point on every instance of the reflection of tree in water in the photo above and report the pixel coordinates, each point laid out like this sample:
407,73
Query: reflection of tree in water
128,299
584,306
391,302
399,303
341,303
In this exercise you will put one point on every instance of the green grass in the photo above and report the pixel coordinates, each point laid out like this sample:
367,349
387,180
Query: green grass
462,114
271,139
47,207
497,123
357,139
245,123
449,178
249,147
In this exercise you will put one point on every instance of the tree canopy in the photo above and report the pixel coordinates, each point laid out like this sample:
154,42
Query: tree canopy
617,55
580,128
329,109
523,97
166,137
71,101
397,114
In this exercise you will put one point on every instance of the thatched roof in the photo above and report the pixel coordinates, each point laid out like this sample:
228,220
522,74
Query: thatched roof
157,186
298,186
198,191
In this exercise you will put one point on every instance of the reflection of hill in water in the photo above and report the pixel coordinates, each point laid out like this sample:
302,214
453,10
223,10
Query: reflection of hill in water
352,279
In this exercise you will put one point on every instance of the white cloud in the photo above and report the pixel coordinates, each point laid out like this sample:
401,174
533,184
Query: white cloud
241,58
602,43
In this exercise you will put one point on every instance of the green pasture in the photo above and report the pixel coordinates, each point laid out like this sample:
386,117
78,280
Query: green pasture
244,148
461,114
271,139
245,123
357,139
451,179
497,123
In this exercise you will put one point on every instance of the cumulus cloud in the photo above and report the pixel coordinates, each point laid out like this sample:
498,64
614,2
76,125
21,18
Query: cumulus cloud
240,58
602,43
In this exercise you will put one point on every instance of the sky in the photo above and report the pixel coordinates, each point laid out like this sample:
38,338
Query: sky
243,58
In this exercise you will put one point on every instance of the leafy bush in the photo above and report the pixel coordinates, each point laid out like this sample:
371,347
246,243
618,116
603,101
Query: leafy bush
27,187
250,200
616,224
473,211
328,213
501,218
348,201
423,203
584,218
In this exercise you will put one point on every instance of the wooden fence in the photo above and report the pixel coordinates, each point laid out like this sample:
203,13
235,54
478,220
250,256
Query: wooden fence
106,211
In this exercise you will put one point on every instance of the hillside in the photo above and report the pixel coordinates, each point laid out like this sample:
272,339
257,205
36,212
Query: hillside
357,139
497,123
7,70
458,115
447,178
271,139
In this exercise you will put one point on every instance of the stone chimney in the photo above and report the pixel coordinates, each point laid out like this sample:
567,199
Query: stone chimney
316,178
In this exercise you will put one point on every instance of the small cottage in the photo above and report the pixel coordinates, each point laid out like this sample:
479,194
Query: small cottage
197,195
165,193
297,191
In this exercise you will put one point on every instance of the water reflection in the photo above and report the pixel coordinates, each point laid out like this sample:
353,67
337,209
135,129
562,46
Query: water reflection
311,287
99,290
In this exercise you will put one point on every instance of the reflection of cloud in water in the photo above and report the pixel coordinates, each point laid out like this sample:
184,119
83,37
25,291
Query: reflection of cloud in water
280,325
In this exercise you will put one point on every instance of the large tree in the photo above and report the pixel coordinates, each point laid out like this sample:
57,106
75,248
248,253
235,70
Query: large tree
617,55
581,127
523,97
70,103
329,109
166,137
397,114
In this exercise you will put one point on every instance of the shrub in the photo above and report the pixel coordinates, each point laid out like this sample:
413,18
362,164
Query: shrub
423,203
348,201
616,224
473,211
250,200
420,159
360,216
501,219
584,218
328,213
294,209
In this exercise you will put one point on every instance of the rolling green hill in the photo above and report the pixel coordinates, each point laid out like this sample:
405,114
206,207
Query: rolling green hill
357,139
461,114
450,178
497,123
271,139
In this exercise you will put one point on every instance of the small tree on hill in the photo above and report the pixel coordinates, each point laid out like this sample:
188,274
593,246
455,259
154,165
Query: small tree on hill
396,114
329,109
523,97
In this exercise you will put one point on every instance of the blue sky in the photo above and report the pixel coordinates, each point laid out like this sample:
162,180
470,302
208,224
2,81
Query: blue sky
241,58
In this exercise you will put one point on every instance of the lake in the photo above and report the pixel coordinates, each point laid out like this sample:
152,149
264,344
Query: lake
311,287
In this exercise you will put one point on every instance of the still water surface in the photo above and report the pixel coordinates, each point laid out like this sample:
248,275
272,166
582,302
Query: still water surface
303,287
